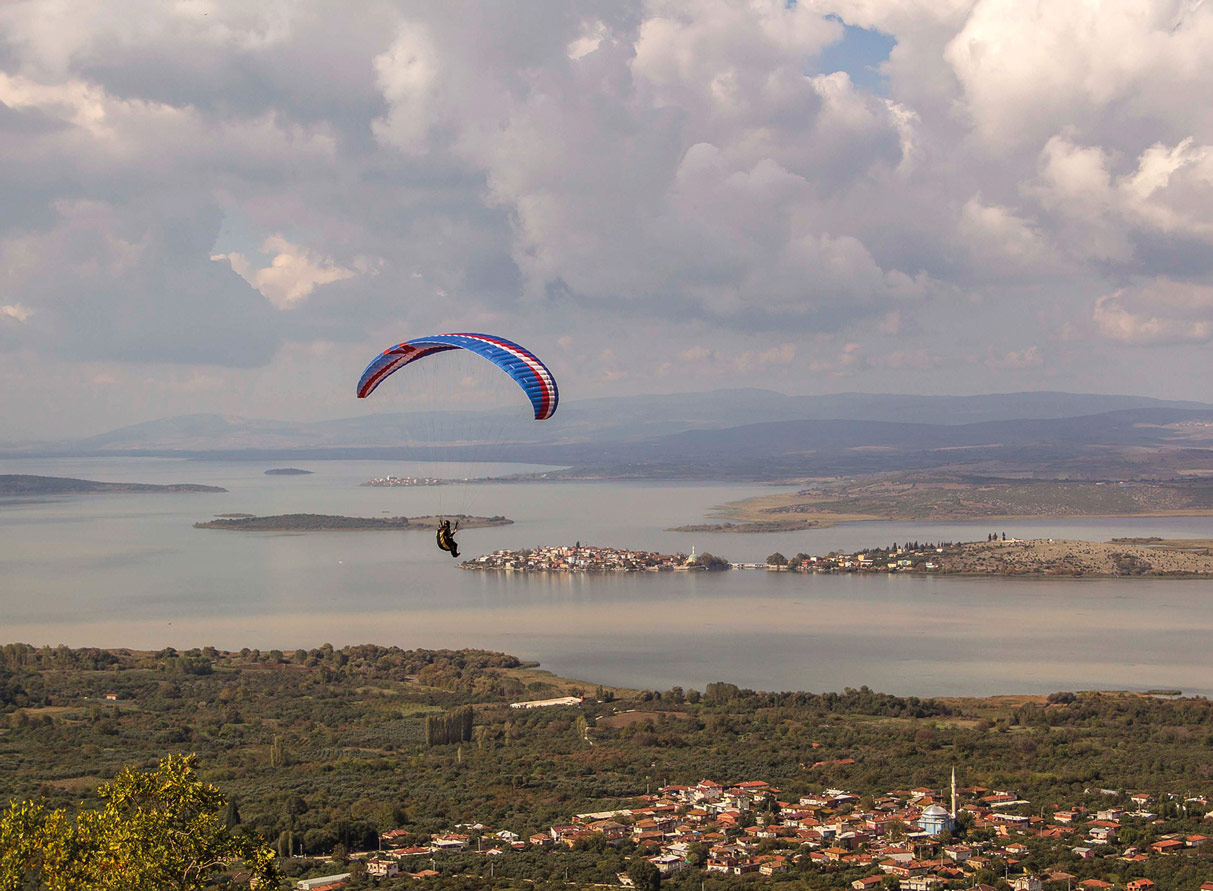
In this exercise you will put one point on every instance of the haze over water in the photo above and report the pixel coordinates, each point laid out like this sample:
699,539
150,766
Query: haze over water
130,570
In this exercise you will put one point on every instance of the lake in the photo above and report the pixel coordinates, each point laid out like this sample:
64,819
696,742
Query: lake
130,570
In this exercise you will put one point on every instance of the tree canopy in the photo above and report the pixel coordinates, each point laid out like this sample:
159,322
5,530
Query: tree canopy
156,829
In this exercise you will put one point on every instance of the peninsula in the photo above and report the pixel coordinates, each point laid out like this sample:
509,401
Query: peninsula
956,497
24,484
329,523
1041,558
1013,557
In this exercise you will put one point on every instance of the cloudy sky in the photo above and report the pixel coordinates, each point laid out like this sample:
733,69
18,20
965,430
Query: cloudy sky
230,207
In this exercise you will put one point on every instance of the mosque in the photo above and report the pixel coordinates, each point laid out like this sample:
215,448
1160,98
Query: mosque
934,819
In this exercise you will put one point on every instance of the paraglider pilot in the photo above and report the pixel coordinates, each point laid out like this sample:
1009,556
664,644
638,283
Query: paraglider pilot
446,537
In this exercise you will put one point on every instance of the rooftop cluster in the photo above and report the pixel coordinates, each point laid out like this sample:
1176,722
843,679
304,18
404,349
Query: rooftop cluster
909,557
579,558
391,481
913,839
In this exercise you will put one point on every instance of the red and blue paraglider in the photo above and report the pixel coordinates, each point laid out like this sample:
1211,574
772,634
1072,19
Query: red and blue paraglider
516,361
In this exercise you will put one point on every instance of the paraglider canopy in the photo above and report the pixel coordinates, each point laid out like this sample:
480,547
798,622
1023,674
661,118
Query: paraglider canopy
519,363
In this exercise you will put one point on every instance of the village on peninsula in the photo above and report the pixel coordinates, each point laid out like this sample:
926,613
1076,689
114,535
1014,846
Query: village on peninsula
995,556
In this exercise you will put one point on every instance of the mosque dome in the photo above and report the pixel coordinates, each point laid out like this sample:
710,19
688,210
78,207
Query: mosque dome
935,811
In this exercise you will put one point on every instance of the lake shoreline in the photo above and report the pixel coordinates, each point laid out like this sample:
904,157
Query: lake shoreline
18,485
131,570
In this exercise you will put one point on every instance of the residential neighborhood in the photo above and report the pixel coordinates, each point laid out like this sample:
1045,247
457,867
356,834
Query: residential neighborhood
918,839
908,557
592,559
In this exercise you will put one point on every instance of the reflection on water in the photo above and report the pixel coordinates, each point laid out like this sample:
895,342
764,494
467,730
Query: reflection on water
129,570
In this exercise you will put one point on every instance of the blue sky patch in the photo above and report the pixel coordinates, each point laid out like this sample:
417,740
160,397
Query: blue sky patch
859,54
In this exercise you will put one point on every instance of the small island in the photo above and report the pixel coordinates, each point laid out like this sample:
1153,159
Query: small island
329,523
24,484
287,471
588,558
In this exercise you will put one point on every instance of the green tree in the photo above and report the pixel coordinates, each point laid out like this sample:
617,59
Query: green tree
719,692
231,814
711,561
158,829
38,847
644,875
452,727
697,855
277,753
777,559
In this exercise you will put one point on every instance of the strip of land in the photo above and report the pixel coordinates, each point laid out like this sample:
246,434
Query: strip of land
1050,557
25,484
1178,544
954,497
330,523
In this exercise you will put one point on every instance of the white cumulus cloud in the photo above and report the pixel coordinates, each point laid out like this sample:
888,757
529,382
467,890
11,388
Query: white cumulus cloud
1160,312
659,175
16,312
294,272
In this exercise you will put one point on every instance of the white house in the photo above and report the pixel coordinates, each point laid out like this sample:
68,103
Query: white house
309,884
382,868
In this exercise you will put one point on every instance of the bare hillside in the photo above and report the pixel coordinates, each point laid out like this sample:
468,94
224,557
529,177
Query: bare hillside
1060,557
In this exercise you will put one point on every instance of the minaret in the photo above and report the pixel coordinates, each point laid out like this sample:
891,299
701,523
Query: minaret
953,796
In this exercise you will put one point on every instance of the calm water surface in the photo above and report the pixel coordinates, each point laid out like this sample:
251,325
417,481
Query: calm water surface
130,570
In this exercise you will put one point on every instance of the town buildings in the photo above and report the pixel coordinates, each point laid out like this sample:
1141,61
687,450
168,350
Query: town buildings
578,558
903,836
591,558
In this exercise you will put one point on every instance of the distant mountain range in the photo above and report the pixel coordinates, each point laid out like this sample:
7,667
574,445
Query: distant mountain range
1142,442
748,433
612,418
